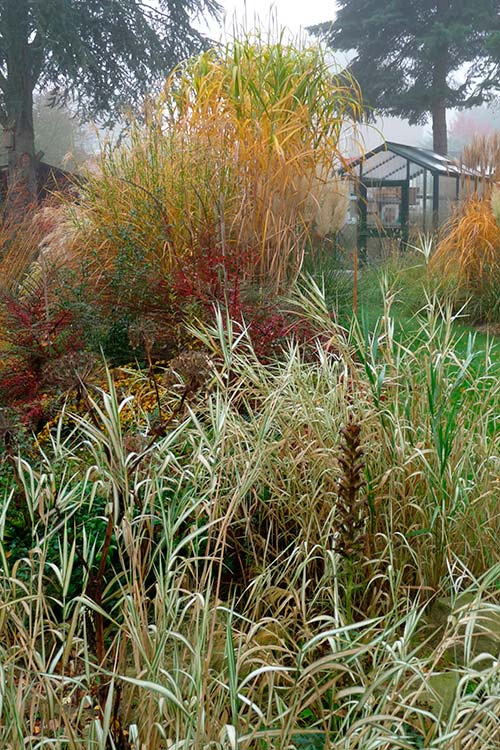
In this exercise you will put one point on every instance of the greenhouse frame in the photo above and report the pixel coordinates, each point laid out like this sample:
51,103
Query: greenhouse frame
398,191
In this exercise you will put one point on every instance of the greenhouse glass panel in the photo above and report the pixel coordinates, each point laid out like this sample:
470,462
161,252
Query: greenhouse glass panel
447,197
384,166
416,200
384,207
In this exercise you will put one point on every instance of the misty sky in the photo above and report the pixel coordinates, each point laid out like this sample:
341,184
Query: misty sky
292,14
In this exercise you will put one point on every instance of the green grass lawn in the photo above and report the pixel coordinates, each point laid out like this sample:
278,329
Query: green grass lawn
406,282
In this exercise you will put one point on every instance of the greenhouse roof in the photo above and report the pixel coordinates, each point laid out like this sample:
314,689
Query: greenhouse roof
397,161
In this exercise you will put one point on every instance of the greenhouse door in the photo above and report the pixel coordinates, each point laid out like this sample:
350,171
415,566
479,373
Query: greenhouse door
383,209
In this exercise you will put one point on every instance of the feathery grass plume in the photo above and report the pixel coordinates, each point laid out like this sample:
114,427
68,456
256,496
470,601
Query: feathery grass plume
495,203
327,201
49,232
351,507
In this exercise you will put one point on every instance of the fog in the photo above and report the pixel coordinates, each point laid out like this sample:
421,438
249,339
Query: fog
292,14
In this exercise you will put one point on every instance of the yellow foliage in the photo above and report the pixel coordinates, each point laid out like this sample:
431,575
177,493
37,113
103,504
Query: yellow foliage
469,250
238,153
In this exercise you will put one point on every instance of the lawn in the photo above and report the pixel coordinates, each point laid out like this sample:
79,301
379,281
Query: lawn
401,287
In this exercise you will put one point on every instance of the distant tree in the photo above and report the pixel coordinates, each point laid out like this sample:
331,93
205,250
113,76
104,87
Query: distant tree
415,58
466,125
471,124
100,54
61,137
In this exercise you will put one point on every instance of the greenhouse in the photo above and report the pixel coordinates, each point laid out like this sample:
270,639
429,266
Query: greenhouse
398,191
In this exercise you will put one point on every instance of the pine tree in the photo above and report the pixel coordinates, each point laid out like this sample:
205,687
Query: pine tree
415,58
101,54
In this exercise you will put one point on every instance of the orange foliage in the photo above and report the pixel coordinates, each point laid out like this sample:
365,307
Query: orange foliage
468,253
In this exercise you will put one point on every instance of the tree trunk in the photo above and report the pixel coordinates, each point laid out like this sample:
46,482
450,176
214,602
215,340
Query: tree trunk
439,88
20,140
439,129
22,180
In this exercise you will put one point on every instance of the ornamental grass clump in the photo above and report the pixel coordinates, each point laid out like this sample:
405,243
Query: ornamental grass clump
467,258
229,161
466,264
211,198
482,155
